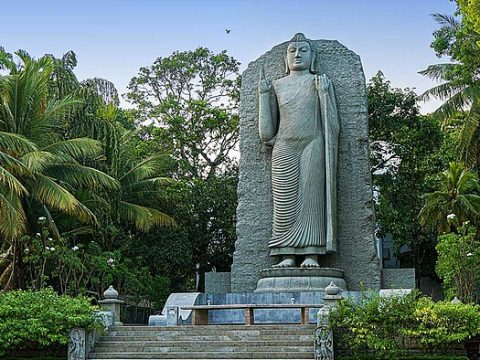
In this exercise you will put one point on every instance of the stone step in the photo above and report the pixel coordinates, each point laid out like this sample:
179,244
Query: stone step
202,355
211,326
204,348
206,342
189,328
215,343
211,337
205,331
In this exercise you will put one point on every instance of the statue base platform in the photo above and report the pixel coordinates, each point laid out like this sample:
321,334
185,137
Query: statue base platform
299,279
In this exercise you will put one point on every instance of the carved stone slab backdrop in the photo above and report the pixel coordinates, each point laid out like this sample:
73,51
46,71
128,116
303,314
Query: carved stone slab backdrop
356,250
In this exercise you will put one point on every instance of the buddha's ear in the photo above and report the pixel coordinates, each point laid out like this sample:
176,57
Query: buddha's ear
313,56
287,70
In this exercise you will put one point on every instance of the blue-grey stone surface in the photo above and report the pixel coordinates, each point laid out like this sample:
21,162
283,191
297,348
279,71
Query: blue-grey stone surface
177,300
261,316
217,282
398,278
356,251
299,279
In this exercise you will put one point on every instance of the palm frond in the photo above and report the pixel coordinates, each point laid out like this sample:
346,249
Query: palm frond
144,218
452,105
10,182
468,137
443,91
58,108
45,190
13,165
38,161
438,71
150,184
141,171
12,215
16,143
79,176
76,148
446,20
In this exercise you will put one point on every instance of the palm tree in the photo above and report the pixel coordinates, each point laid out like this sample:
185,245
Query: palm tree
142,191
457,197
39,169
460,94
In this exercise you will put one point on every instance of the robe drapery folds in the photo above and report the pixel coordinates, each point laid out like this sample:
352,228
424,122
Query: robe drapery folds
304,168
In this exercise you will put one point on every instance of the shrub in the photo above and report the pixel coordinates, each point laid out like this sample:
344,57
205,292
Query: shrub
440,325
458,263
373,325
387,327
41,318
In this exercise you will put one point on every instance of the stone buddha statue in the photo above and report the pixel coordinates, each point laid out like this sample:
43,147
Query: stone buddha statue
298,117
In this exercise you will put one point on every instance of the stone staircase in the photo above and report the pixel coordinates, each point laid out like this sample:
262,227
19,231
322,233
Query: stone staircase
286,341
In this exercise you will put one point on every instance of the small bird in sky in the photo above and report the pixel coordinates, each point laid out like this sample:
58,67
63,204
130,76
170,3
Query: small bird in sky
227,31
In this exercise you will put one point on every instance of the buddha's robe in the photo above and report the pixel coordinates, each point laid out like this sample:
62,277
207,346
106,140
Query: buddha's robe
304,159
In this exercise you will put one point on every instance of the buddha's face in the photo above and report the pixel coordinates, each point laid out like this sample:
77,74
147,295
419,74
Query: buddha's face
298,56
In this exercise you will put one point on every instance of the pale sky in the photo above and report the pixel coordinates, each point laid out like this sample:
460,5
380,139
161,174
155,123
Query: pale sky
114,38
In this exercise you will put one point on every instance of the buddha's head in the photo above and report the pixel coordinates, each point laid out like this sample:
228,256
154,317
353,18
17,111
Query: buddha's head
300,55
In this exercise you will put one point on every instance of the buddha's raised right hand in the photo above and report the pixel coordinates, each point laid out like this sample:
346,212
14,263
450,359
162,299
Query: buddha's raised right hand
264,85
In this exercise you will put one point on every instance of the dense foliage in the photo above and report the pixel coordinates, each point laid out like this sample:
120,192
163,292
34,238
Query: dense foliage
36,319
187,105
452,208
408,149
456,194
458,263
92,195
458,40
386,327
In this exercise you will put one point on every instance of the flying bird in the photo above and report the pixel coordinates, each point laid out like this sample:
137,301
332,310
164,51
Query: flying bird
227,31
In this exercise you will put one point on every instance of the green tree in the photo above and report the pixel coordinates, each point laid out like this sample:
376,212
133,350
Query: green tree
192,99
460,87
142,191
41,167
187,103
407,149
458,263
471,13
457,195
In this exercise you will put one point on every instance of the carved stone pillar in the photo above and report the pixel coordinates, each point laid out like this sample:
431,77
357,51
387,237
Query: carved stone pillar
77,344
323,333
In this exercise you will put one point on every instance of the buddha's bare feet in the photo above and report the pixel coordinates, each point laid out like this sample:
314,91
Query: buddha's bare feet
310,261
286,262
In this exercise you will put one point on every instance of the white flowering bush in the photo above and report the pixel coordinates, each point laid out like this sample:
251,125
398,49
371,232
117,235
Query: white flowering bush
458,263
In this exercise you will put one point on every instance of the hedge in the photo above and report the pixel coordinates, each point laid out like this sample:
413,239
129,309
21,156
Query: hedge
39,319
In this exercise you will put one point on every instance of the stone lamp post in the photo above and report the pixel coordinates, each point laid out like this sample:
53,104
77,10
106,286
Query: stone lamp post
112,303
323,333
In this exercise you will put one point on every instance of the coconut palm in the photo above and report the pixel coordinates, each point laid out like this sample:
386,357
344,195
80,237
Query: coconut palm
141,193
39,169
456,199
460,94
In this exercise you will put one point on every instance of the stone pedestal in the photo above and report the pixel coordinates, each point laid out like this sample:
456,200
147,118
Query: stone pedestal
299,279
